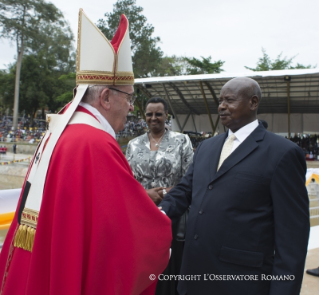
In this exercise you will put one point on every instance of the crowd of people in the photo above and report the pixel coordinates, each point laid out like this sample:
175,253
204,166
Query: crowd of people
26,131
309,144
33,132
133,127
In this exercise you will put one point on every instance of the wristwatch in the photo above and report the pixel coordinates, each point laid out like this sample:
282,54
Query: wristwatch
164,192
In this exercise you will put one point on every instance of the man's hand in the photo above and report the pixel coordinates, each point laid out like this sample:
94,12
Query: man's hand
167,190
154,194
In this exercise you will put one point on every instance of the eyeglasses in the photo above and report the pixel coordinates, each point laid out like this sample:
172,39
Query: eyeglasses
131,97
157,115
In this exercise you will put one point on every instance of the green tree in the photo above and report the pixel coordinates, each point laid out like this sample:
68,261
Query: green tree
65,97
179,65
146,54
265,63
34,83
40,85
205,66
56,57
42,66
26,23
7,87
171,66
6,90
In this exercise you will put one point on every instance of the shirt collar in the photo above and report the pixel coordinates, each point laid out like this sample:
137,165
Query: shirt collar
245,131
105,124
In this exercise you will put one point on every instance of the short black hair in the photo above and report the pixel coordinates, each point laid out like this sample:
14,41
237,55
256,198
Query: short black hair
156,99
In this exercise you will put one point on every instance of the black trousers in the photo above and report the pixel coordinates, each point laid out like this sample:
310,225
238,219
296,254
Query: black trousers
169,287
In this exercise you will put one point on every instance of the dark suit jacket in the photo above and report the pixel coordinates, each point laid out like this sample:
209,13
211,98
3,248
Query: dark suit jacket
249,218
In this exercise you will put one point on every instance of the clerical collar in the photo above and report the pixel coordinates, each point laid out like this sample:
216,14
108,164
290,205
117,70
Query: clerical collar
105,124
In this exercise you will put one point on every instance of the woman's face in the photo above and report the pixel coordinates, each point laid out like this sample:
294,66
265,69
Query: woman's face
155,117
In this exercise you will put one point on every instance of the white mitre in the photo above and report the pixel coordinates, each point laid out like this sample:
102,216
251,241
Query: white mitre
100,61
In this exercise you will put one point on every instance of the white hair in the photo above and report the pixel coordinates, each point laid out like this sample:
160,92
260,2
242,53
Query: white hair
93,92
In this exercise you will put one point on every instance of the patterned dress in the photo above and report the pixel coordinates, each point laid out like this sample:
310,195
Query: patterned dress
164,167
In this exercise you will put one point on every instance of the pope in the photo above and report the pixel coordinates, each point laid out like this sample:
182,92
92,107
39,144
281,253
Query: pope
83,224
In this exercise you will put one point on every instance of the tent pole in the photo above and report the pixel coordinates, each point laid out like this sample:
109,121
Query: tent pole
141,109
206,104
172,109
140,104
288,78
186,121
216,123
194,123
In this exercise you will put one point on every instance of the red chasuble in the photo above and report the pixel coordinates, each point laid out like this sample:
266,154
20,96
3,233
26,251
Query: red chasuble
98,231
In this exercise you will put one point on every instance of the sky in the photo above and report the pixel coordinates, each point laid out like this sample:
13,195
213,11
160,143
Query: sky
230,30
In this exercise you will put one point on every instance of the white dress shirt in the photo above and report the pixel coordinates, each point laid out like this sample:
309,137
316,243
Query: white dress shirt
105,124
242,133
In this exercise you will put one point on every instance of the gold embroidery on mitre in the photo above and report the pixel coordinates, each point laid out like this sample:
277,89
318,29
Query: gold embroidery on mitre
125,74
24,237
121,78
106,79
124,78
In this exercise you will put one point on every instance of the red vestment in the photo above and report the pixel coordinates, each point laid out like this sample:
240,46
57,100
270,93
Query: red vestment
98,231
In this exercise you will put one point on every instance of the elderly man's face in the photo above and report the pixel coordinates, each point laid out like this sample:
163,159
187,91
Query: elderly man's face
120,107
235,108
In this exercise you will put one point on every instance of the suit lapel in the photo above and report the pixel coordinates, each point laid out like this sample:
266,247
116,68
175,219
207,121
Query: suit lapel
249,145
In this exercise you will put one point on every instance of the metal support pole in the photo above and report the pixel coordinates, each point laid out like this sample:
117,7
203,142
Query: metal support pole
141,109
186,121
147,94
194,122
206,104
216,123
173,111
287,78
180,94
210,88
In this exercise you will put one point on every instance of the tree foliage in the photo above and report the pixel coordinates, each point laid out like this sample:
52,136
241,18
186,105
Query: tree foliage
22,21
171,66
179,65
146,54
65,97
6,89
31,24
205,66
265,63
40,85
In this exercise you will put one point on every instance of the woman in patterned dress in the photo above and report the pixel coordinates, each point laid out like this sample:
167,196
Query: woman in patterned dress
159,159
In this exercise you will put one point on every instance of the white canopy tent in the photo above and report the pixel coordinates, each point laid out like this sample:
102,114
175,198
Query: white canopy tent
290,102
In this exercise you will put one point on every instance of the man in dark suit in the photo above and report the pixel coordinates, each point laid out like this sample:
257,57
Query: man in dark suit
248,225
